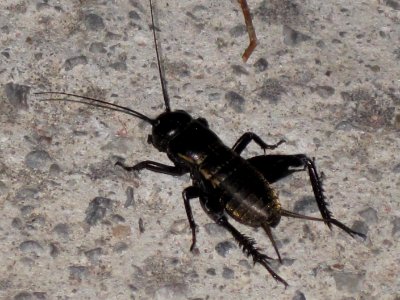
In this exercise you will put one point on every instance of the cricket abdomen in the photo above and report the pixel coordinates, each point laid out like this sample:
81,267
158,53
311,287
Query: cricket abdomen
246,195
249,199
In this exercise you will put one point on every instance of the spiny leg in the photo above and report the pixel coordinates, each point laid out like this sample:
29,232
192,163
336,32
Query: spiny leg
333,221
275,167
155,167
215,211
250,30
268,231
316,184
248,246
247,137
188,194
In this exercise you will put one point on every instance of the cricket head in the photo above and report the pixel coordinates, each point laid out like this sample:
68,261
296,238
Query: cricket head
166,126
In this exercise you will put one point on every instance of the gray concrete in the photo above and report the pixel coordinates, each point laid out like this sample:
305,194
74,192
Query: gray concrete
329,85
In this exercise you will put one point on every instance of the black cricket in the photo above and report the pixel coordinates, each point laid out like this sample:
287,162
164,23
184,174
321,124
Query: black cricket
225,183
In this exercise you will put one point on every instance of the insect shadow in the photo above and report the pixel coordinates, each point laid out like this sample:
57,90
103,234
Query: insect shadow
225,183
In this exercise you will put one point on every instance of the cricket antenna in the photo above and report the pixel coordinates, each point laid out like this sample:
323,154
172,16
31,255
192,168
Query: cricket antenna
162,80
95,102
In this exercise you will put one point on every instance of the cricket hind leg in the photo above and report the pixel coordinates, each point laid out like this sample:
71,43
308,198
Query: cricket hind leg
155,167
333,221
215,211
248,246
276,167
247,137
268,231
188,194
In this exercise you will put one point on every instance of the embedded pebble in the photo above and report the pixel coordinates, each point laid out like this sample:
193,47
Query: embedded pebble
119,66
17,223
6,54
211,271
396,227
117,219
261,65
141,225
272,90
31,246
373,174
17,95
72,62
179,226
3,188
348,281
214,229
360,226
238,31
325,91
97,47
228,273
136,4
306,204
171,291
179,68
27,262
370,112
293,37
235,101
30,296
396,168
133,15
54,250
239,70
308,233
26,210
24,296
321,44
282,11
54,170
101,170
285,261
97,210
38,159
120,247
299,296
40,295
111,36
38,56
130,200
370,215
26,194
244,263
121,231
78,272
35,222
62,230
94,22
223,248
344,125
94,254
5,284
214,96
395,4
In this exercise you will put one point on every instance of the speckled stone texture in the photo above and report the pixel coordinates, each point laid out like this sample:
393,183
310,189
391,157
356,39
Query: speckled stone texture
325,77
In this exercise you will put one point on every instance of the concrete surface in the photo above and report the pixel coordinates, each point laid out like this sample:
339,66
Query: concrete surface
325,77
